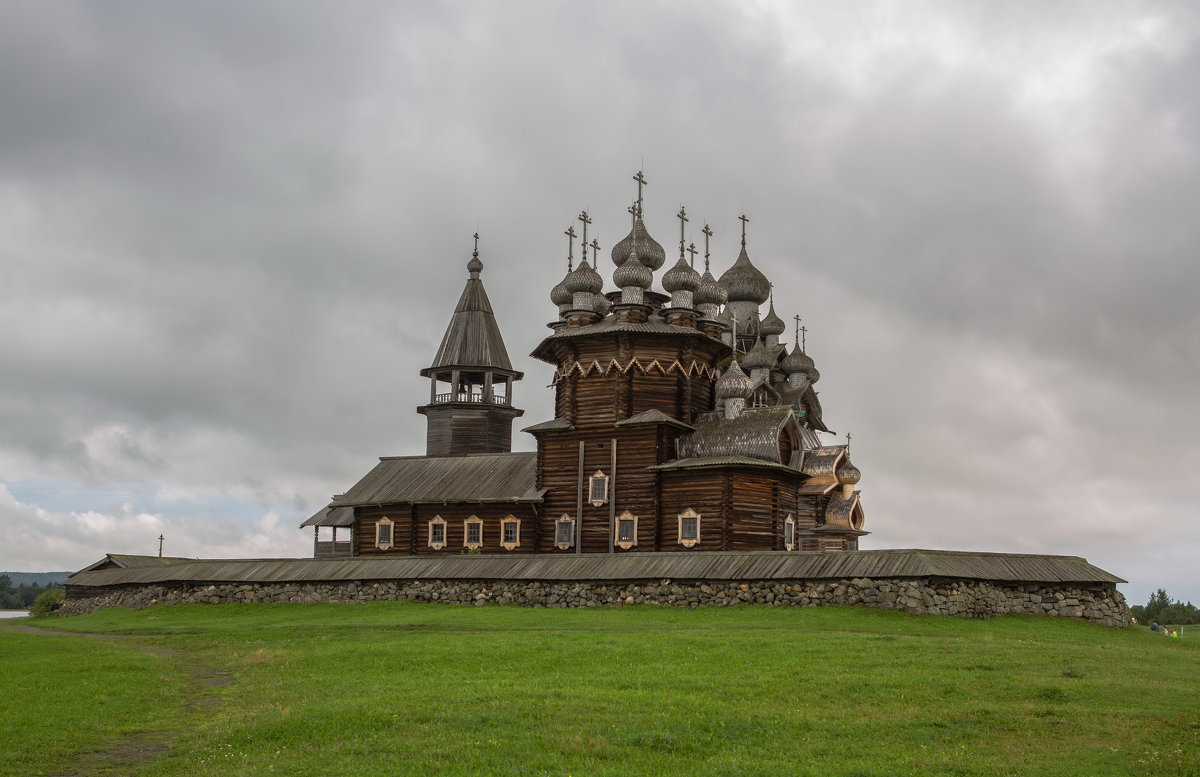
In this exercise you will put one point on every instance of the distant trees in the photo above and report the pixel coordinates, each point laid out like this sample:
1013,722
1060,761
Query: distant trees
1160,608
22,596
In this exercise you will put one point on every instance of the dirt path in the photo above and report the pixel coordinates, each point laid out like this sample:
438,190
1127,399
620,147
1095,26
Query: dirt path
133,750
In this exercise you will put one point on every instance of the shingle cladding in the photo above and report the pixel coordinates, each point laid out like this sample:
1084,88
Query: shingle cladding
488,477
767,565
473,337
754,434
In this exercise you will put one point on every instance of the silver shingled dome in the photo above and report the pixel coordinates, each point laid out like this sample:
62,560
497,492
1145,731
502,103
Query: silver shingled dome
648,249
744,282
734,383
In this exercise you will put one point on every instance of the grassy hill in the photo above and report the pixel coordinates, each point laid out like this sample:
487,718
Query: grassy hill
402,688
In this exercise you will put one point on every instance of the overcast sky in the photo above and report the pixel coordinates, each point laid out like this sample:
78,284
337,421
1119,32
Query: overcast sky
232,233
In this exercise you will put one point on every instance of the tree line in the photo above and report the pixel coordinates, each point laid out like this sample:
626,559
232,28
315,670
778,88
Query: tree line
1160,608
20,597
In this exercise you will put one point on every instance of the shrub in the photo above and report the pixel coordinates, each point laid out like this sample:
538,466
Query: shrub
48,602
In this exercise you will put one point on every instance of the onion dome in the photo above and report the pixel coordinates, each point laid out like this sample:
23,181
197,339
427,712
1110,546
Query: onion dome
475,266
772,324
632,272
759,357
848,474
734,384
584,278
648,249
559,294
709,292
799,361
681,277
744,282
603,306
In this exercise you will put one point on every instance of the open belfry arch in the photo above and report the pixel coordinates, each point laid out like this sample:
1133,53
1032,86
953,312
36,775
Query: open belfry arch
681,423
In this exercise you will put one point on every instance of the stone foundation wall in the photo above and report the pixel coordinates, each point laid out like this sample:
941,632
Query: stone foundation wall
1100,603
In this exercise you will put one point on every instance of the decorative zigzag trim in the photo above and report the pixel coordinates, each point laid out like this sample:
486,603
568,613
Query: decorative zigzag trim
691,370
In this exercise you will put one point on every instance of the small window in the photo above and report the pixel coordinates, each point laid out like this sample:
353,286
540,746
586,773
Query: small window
689,528
564,533
789,532
626,530
383,534
510,533
437,532
473,533
598,489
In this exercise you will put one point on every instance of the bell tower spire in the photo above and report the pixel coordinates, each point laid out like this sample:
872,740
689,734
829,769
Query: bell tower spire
470,381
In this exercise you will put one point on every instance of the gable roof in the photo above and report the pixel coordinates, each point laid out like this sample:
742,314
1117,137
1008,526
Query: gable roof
485,477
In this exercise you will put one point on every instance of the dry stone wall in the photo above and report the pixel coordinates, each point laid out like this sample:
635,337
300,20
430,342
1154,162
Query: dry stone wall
1100,603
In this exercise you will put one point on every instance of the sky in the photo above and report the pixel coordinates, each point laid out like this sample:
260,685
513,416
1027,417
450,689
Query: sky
232,233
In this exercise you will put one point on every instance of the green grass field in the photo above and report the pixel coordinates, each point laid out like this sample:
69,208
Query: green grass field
416,689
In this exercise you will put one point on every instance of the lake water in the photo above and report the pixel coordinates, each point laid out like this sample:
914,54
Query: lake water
13,613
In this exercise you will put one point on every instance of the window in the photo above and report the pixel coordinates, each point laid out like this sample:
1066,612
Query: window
598,489
510,532
789,532
473,533
437,532
383,534
564,534
626,530
689,528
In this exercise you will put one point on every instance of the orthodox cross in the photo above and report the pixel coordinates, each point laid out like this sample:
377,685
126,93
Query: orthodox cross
683,220
160,541
586,219
692,251
595,250
632,209
707,234
847,443
641,181
742,218
476,253
570,233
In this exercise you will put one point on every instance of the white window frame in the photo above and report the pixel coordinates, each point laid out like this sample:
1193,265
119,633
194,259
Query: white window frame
625,544
510,520
689,542
789,532
564,520
598,480
474,520
436,520
391,532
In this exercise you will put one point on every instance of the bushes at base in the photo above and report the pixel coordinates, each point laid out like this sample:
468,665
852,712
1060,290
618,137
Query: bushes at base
48,602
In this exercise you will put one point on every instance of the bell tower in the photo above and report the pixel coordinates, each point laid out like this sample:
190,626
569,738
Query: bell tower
471,379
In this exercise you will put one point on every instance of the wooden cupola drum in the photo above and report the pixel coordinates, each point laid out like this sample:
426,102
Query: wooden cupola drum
470,406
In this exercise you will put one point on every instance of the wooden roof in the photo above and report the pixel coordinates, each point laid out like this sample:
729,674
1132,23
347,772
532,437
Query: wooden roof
472,339
754,434
772,565
484,477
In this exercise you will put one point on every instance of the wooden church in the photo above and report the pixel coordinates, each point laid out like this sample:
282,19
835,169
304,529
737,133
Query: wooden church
681,423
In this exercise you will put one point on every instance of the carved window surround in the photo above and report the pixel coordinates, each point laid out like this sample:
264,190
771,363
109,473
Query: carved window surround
598,488
510,532
689,528
564,532
437,532
626,531
473,533
383,533
789,532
